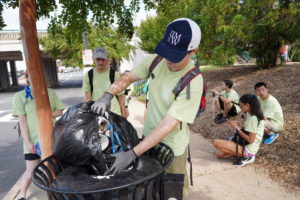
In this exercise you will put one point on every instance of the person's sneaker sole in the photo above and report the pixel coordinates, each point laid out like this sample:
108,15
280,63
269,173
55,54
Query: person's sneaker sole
245,163
272,139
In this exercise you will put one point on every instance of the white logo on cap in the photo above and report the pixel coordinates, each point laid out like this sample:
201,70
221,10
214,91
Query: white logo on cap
174,37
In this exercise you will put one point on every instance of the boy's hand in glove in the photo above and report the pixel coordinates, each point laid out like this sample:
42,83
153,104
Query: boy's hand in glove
102,104
122,161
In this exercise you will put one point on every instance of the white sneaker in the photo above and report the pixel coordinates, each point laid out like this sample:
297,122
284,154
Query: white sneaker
244,161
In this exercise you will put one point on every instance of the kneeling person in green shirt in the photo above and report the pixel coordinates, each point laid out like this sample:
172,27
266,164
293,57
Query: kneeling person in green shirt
24,109
227,100
252,132
165,113
272,112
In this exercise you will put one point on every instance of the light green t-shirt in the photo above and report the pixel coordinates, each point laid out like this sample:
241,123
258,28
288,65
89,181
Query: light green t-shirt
234,97
28,109
162,101
252,125
101,83
272,110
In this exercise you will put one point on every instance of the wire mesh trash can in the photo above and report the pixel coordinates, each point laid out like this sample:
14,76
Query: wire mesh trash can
149,187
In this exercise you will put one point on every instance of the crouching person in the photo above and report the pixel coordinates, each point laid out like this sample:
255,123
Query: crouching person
227,101
252,133
272,111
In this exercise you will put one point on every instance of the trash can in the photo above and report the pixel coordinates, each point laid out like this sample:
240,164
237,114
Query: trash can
124,188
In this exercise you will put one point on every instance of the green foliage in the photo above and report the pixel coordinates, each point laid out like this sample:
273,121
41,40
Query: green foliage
265,27
296,57
61,44
151,31
294,51
231,26
142,98
75,13
133,93
43,8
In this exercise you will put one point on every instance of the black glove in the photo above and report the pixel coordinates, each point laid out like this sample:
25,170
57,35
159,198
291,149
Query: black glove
102,104
122,161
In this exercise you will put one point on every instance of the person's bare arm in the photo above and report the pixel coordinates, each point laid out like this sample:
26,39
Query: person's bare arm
57,113
122,83
121,99
249,138
156,135
87,96
25,134
226,101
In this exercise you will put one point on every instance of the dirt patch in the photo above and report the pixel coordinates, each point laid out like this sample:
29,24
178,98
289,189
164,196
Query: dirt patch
282,158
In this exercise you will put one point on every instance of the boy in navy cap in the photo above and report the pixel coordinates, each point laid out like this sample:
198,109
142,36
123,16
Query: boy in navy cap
165,113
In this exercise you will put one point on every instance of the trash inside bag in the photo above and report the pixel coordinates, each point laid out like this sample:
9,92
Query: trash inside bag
83,138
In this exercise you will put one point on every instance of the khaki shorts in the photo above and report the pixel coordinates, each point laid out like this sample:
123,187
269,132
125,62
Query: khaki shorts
271,126
178,166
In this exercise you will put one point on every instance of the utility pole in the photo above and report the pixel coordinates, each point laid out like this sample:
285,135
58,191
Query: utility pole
85,40
34,67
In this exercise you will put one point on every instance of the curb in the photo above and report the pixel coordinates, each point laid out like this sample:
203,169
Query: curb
14,191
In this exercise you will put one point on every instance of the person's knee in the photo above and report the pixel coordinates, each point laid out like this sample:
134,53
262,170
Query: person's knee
216,143
216,101
219,155
228,106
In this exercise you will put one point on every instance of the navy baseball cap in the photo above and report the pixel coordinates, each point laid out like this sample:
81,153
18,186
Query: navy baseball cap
181,35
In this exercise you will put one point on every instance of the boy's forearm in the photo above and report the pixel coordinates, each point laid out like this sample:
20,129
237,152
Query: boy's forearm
122,83
24,128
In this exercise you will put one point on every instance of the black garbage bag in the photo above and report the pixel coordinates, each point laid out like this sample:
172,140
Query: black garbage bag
76,140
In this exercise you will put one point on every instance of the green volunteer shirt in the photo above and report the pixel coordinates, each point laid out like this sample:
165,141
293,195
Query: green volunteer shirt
162,101
20,107
252,125
101,83
272,110
234,97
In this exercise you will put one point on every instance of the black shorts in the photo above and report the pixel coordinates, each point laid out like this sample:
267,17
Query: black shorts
31,156
232,111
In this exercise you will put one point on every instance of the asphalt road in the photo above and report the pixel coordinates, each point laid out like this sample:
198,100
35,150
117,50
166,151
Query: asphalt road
12,163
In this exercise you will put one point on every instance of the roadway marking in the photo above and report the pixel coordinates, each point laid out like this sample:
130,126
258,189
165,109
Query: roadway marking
8,117
6,100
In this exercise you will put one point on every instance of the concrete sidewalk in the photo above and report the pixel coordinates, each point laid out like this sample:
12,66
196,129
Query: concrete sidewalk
213,179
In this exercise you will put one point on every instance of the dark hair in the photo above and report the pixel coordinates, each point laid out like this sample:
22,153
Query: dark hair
228,83
259,84
255,109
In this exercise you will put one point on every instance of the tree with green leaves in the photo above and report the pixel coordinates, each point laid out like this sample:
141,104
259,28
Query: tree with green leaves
262,27
75,13
151,31
233,26
60,44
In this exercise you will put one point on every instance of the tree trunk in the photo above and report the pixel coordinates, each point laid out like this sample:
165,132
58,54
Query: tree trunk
266,56
34,67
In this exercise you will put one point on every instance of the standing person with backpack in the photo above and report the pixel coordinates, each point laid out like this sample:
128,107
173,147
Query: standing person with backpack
251,134
169,111
99,79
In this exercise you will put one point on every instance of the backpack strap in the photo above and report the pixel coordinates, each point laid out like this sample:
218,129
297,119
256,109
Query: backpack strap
112,75
185,82
91,75
154,63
